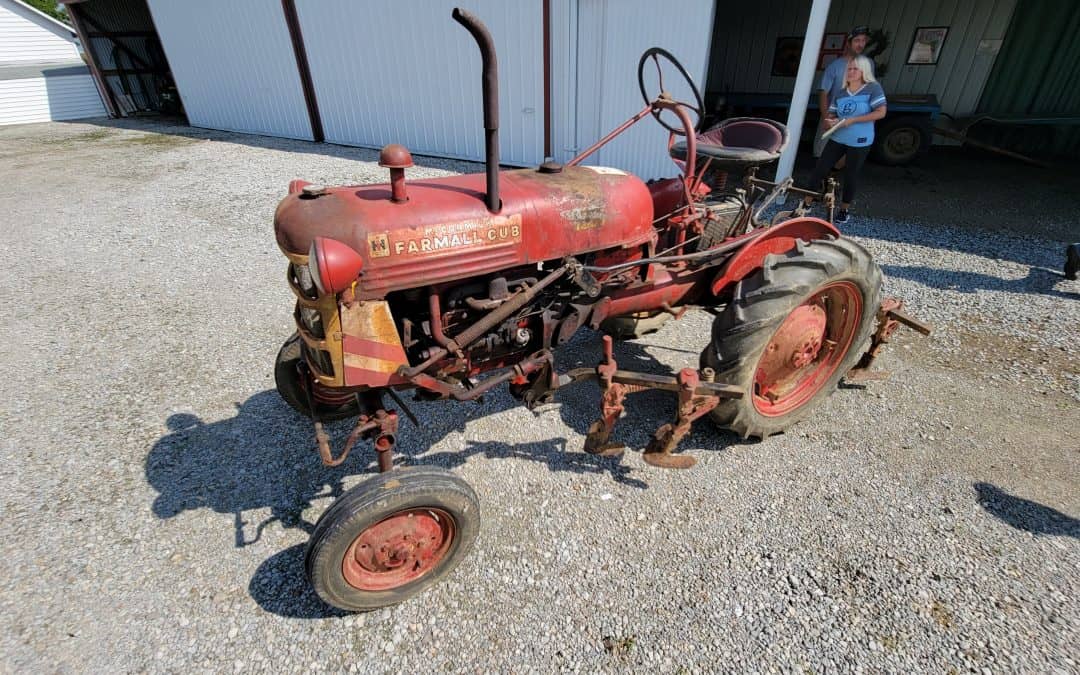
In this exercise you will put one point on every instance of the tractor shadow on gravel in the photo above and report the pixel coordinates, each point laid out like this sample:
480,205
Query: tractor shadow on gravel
280,587
250,461
1024,514
578,406
259,459
1039,281
263,458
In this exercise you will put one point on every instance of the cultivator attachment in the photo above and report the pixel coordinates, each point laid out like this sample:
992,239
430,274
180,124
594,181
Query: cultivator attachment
697,393
890,316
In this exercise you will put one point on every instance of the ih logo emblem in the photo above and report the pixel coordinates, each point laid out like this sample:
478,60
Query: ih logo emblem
379,245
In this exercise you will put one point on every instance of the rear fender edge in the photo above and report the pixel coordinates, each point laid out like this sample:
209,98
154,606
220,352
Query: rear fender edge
776,239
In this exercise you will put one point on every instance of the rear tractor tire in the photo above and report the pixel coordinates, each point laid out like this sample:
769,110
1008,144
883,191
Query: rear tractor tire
392,537
791,331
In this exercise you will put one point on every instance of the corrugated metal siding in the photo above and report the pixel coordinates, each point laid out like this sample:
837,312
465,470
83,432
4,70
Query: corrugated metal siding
117,16
124,17
563,78
610,36
234,66
744,39
120,15
744,42
25,37
405,72
1037,74
105,49
42,99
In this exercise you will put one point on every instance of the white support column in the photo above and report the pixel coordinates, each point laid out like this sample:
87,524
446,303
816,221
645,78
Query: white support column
804,84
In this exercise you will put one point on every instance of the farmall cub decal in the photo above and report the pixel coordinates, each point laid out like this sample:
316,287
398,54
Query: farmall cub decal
434,239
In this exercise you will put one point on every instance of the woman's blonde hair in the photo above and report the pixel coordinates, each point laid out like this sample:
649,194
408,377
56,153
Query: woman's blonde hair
865,66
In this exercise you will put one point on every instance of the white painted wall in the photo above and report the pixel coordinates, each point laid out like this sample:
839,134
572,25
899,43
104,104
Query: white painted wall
596,47
744,44
233,63
27,37
29,93
403,71
42,99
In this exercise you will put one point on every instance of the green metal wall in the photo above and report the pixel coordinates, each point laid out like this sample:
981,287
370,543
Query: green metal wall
1037,73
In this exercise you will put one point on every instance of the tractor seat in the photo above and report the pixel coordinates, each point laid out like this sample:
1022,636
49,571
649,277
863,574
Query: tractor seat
738,143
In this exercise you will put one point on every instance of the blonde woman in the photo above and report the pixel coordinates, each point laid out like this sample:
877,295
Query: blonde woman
851,118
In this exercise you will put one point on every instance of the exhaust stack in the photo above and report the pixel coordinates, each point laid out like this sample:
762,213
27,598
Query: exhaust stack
490,83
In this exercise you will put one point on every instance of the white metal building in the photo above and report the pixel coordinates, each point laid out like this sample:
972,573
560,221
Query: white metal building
405,72
42,75
384,71
371,72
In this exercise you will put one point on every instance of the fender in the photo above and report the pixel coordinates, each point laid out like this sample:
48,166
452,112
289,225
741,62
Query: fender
777,239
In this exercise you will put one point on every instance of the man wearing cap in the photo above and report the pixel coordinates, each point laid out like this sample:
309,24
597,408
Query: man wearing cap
832,80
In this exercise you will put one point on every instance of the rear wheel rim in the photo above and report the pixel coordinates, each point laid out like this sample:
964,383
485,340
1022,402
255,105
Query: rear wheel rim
806,350
399,549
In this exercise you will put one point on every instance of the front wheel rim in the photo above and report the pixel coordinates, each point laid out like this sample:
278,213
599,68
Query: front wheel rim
806,350
399,549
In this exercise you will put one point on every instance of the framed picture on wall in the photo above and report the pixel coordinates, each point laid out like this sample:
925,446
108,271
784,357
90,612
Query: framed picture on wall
786,58
832,48
926,46
833,42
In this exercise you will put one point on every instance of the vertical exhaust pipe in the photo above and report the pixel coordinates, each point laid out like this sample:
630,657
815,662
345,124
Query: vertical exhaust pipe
490,83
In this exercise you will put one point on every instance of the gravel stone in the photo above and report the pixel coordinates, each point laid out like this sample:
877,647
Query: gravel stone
158,493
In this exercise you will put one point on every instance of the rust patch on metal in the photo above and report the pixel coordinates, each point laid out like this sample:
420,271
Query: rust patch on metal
576,195
372,347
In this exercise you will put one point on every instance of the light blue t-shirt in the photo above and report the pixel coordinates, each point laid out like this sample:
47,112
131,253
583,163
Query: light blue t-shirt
853,104
832,80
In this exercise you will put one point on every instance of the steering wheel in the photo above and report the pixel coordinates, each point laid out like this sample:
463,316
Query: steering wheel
653,54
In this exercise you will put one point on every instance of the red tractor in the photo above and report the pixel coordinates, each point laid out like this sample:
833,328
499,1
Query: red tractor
452,286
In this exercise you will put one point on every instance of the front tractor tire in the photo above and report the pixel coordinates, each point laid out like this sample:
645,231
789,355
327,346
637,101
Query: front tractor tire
291,388
392,537
791,331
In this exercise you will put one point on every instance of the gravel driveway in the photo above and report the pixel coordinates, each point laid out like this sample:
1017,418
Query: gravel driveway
157,493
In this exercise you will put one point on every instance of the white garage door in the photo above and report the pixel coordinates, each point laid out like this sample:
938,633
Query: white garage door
233,63
595,47
403,71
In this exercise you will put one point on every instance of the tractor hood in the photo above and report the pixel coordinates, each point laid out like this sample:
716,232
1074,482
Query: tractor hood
444,231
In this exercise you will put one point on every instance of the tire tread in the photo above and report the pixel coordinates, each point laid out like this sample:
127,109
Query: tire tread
760,303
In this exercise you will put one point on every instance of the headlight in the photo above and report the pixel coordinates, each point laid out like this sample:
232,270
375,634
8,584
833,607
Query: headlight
334,266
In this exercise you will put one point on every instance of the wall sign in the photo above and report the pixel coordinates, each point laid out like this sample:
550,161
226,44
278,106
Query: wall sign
926,47
832,48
